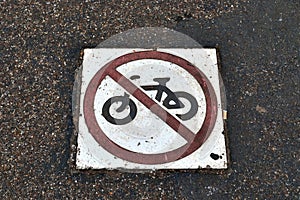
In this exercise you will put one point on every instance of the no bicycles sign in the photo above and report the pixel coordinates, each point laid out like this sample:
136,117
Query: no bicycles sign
144,108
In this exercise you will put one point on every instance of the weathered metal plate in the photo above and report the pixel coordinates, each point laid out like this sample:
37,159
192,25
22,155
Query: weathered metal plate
150,109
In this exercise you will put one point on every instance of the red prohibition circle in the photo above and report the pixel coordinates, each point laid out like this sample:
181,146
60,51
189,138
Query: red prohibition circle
198,139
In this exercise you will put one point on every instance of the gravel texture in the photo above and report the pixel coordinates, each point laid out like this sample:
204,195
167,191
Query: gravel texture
41,47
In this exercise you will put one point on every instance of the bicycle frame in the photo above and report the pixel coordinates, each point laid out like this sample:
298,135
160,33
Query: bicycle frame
162,88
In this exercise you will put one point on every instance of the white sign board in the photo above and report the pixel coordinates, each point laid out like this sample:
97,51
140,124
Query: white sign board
150,109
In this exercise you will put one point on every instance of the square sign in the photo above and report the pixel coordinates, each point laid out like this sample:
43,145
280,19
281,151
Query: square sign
150,109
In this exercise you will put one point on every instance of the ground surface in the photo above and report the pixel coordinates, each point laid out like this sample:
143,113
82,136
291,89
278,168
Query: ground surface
40,50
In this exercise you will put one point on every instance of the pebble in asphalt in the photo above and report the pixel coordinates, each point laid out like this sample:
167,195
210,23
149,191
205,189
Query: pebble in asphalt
40,50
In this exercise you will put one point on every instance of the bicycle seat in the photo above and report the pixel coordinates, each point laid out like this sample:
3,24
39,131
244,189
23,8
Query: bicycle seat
162,81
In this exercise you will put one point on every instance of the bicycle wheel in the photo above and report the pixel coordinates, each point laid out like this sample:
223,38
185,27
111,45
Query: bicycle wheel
194,105
124,100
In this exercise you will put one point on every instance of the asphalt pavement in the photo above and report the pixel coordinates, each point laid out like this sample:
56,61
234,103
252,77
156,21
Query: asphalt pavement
41,48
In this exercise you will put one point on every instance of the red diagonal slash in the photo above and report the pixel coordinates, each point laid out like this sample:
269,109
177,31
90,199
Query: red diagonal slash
187,134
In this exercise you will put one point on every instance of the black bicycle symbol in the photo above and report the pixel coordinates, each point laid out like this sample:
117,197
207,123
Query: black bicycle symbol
170,102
